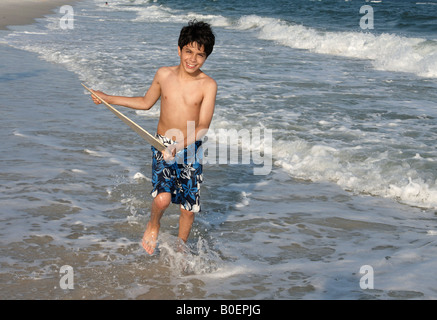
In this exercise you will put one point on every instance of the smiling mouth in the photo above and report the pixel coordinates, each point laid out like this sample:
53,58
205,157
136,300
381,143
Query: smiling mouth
191,66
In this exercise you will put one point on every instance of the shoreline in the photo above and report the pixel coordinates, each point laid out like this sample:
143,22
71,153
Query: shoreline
26,11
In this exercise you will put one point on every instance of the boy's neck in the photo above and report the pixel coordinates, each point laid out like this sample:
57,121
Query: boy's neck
185,75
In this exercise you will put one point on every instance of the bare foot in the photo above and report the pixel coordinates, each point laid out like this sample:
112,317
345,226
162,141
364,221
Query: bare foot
150,238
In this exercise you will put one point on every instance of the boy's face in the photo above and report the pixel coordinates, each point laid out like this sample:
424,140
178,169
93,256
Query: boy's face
192,57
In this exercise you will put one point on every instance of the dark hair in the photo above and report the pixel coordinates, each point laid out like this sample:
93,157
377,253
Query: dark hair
199,32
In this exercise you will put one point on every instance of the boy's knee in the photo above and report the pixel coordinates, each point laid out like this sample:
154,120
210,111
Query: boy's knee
162,201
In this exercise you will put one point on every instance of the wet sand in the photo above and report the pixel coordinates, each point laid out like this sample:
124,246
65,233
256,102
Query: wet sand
24,12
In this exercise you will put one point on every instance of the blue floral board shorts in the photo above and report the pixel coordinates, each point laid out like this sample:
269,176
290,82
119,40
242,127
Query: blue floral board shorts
181,177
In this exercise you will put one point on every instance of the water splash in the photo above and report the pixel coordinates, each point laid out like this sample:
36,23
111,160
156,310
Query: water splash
188,259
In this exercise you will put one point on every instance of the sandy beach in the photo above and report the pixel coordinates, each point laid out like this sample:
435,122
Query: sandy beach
25,11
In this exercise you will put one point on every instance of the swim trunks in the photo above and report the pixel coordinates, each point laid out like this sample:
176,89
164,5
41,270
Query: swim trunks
180,177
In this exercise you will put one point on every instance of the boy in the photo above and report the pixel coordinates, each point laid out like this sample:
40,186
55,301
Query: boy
187,106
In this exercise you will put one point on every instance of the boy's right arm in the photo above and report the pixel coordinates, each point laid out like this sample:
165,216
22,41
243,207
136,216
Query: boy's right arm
141,103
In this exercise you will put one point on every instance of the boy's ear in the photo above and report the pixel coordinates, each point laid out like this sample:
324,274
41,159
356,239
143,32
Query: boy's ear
179,51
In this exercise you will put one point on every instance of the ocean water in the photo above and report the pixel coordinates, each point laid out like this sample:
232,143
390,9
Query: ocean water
351,176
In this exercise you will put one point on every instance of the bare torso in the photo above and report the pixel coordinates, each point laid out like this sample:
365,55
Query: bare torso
181,100
187,102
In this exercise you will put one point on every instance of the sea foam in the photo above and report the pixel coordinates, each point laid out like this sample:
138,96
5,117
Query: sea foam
387,51
377,175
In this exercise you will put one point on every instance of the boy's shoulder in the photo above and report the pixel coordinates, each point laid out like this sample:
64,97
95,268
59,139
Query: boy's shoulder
210,82
206,79
166,70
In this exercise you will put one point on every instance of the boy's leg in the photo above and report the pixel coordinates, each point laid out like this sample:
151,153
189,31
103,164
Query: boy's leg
186,220
159,205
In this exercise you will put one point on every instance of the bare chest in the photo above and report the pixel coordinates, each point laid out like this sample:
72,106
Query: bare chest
184,95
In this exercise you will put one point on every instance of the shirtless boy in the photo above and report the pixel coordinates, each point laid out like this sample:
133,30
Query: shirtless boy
187,106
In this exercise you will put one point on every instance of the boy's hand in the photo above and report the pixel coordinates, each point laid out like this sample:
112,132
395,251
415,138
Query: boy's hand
100,94
169,153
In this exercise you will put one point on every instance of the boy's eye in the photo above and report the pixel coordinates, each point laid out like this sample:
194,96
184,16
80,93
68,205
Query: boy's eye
202,55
